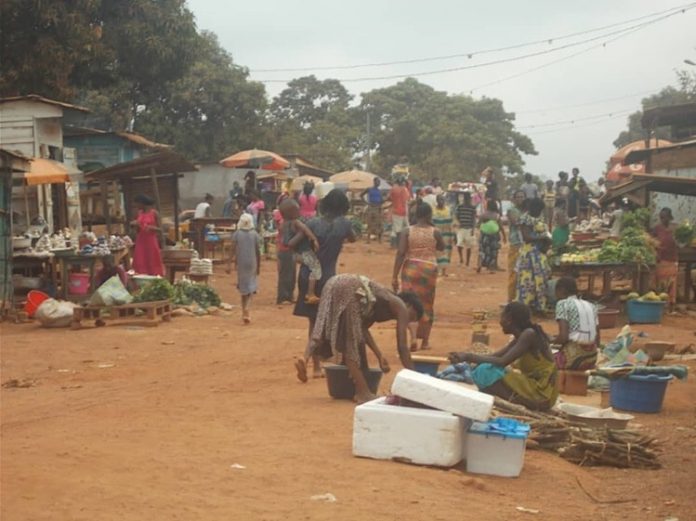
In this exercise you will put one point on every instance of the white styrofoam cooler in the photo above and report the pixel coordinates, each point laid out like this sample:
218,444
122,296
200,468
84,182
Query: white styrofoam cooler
421,436
496,452
442,394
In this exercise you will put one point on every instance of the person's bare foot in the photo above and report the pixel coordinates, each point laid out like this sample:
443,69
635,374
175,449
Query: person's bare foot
301,368
364,398
317,373
246,321
414,347
311,299
384,365
426,347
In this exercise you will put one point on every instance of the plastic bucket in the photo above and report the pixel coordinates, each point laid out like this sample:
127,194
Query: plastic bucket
34,300
639,393
341,385
78,283
607,318
644,312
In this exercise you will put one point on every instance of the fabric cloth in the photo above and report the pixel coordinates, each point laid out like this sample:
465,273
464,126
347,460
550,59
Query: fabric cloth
346,303
531,190
373,216
466,216
536,379
442,219
254,209
399,196
420,277
228,207
147,259
308,205
331,234
666,273
489,246
399,223
574,356
533,270
246,222
105,274
466,238
309,259
201,210
667,249
485,375
374,196
422,243
549,198
286,276
461,372
616,216
513,252
560,236
247,243
581,317
515,236
431,199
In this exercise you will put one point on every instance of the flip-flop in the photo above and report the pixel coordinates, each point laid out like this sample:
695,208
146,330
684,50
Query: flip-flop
301,370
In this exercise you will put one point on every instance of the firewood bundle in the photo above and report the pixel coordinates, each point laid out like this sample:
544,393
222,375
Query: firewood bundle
582,444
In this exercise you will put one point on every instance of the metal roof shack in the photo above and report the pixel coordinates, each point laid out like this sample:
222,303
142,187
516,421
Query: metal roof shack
41,99
651,183
675,155
305,167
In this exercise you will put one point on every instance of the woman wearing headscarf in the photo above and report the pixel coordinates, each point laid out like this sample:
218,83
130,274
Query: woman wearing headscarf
246,243
147,258
416,263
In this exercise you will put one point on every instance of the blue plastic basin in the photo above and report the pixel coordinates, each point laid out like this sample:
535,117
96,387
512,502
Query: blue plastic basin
430,368
639,393
643,312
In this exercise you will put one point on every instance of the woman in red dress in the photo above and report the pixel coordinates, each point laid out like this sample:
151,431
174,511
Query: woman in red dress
147,259
667,267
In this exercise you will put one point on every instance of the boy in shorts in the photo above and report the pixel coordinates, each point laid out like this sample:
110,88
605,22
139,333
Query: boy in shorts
466,218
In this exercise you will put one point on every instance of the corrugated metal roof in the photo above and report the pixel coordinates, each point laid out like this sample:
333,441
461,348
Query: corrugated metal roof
636,156
653,183
41,99
133,137
164,162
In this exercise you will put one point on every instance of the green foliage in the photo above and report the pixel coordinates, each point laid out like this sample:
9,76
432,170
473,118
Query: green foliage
684,233
159,289
635,245
186,293
638,218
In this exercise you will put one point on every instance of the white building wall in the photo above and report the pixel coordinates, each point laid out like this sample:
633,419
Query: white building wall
211,178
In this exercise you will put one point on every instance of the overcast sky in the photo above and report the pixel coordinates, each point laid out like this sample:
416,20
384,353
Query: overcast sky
274,34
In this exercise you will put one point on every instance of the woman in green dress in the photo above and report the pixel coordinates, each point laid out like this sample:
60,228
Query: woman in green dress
533,383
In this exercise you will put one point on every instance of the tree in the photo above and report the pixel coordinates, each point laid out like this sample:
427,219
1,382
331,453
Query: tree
453,137
685,93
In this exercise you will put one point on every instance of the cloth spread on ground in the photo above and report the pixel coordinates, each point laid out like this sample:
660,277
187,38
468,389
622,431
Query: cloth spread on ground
460,372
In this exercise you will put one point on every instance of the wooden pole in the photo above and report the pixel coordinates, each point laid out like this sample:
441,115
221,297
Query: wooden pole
155,190
26,203
175,179
104,189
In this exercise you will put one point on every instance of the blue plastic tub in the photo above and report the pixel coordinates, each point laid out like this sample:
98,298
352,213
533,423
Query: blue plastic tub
644,312
430,368
639,393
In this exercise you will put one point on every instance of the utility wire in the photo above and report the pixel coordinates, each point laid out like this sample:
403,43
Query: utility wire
575,120
585,104
476,53
621,33
561,129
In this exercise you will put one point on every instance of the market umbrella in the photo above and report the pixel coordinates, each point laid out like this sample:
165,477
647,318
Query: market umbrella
256,159
299,182
358,180
618,171
46,171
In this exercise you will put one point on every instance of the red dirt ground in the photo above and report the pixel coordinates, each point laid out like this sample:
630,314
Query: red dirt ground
137,423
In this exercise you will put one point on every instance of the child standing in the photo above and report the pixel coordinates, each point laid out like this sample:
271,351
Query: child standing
246,243
303,242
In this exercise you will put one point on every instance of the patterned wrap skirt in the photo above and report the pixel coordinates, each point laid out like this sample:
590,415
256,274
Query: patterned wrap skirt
420,277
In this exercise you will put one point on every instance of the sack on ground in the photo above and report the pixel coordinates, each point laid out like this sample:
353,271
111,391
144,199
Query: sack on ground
55,313
111,293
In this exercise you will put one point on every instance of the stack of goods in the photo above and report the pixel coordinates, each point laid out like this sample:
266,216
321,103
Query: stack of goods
117,243
594,225
201,266
479,327
581,257
434,422
635,245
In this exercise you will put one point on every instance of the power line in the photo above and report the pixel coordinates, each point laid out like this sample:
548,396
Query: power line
575,120
471,54
590,124
585,104
621,33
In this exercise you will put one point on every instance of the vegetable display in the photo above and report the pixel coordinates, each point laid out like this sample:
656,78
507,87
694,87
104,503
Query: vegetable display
639,218
684,233
635,245
158,289
186,293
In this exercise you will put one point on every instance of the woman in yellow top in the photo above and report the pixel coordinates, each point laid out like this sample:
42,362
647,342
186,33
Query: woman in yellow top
534,383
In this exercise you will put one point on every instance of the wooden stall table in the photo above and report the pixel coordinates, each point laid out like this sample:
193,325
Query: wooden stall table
175,260
198,226
638,274
32,266
687,258
64,263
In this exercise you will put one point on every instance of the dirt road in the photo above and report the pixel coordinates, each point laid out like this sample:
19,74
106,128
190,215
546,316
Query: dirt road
131,423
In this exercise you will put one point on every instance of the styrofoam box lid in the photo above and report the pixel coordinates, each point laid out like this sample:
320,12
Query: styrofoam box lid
504,427
443,395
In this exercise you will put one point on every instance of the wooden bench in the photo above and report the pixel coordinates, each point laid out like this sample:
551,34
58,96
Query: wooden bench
142,313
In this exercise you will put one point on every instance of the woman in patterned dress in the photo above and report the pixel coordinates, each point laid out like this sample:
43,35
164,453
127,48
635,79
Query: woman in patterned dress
533,270
442,219
349,305
416,263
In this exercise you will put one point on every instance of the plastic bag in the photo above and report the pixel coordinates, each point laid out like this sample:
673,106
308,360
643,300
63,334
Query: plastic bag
55,313
111,293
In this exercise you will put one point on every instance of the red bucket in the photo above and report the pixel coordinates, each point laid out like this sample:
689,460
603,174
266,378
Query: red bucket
78,283
34,300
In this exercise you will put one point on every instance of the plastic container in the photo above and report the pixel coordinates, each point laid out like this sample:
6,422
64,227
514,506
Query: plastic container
594,417
573,383
639,393
607,318
78,283
341,385
427,364
34,300
644,312
496,447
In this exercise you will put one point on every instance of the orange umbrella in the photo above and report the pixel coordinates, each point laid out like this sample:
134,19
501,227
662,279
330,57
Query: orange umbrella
256,159
46,171
358,180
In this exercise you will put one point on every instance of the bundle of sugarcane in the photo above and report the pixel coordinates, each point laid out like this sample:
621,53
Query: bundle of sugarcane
580,443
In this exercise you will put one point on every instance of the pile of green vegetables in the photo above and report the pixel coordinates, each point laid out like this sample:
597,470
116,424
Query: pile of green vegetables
684,233
635,245
187,293
158,289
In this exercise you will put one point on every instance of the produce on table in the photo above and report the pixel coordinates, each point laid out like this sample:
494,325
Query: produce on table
639,218
650,296
186,293
581,257
593,225
635,246
159,289
684,233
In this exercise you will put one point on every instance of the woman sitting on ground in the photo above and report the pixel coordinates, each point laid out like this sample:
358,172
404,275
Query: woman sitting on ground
578,331
534,386
349,305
